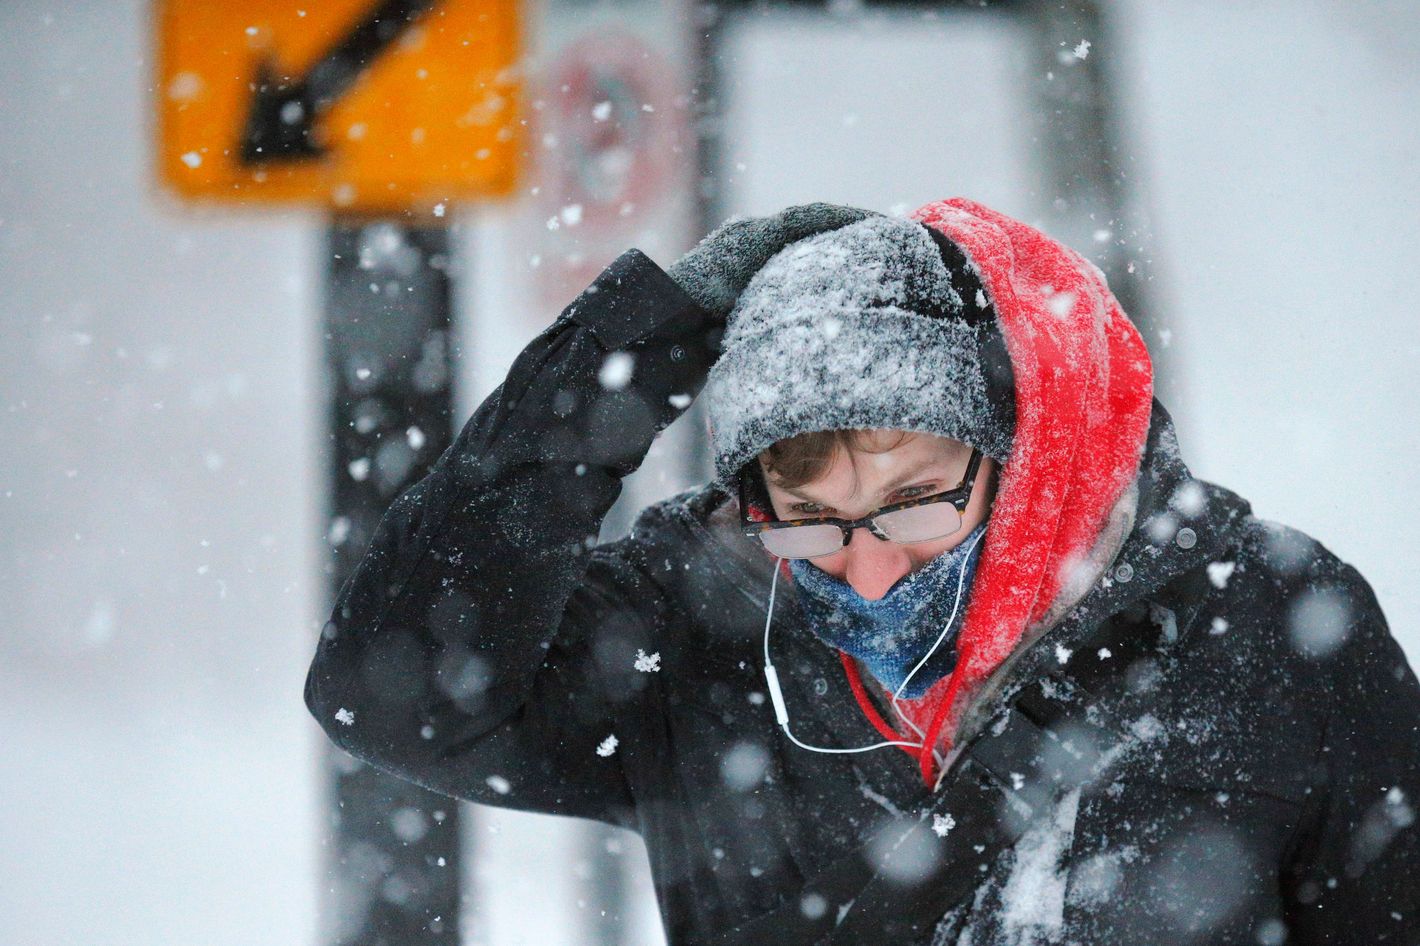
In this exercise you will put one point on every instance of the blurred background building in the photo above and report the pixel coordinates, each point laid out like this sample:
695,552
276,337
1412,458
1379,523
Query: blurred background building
165,529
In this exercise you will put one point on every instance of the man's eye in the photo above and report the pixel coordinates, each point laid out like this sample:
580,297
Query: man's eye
807,509
913,492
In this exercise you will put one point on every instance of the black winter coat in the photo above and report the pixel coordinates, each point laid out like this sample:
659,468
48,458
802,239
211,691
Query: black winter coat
1250,726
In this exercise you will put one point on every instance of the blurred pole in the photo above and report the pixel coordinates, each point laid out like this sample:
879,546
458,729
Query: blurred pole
604,917
708,111
1095,209
395,860
1084,157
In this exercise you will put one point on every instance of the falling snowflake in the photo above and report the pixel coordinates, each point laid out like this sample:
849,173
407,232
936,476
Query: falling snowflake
185,87
813,906
1061,304
345,716
615,372
679,401
1319,621
1220,626
1082,49
1161,528
1220,572
744,766
648,663
607,746
499,784
1190,499
942,824
1105,653
903,855
1062,654
339,530
1272,933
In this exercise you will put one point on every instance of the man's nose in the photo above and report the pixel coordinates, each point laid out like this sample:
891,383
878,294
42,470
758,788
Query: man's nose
874,566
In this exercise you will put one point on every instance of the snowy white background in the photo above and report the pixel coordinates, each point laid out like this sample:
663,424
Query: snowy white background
160,429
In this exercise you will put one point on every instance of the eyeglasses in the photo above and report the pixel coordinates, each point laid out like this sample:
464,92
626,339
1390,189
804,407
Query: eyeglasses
913,520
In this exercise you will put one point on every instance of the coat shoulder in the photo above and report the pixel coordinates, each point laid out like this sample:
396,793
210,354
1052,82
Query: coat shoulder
1288,628
1320,601
1277,634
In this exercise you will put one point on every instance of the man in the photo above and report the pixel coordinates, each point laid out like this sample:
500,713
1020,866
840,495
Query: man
953,650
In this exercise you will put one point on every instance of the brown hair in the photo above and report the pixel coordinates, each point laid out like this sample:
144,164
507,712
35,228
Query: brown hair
803,458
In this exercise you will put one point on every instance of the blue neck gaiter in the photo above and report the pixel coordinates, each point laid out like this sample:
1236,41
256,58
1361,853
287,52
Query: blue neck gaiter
891,635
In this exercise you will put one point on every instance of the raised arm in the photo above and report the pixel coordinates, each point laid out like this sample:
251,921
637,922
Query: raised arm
440,662
464,652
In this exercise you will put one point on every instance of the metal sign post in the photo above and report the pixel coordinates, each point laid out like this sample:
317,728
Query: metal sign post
383,112
395,864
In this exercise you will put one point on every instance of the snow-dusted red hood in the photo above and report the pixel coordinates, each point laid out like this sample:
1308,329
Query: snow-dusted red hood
1084,386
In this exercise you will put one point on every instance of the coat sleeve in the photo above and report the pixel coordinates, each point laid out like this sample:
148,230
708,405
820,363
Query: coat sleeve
463,651
1353,874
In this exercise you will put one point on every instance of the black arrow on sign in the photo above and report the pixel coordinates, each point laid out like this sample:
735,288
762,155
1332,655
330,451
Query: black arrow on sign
284,110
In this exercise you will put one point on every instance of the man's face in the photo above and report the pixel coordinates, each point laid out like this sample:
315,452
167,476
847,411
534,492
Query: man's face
891,468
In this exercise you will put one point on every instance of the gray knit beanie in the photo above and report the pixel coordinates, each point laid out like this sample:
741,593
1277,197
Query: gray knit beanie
882,323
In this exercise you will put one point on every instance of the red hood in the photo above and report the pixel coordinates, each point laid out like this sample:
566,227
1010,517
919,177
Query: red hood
1084,386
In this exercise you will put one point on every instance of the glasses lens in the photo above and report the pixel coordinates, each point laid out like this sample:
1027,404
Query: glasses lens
802,541
920,523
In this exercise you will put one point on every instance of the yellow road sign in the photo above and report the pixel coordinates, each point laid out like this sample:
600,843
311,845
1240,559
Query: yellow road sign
360,105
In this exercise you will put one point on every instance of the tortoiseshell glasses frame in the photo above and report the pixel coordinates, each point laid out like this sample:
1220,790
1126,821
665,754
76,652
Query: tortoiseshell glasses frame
816,537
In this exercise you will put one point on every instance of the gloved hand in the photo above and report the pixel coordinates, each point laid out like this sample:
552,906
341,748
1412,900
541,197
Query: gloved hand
717,269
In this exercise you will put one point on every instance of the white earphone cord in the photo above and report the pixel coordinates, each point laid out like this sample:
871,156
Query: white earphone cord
781,710
961,583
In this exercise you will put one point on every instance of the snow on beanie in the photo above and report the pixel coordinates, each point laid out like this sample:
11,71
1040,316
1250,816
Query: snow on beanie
882,323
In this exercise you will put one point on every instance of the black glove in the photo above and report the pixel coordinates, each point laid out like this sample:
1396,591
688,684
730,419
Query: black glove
717,269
